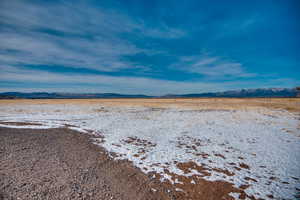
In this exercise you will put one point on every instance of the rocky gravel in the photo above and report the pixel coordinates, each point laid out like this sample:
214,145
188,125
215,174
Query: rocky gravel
64,164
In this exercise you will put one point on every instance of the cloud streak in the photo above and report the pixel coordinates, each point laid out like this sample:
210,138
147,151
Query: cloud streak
140,48
212,67
71,82
73,35
104,83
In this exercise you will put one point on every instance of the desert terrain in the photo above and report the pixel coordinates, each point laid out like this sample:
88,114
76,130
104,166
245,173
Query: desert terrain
290,104
206,148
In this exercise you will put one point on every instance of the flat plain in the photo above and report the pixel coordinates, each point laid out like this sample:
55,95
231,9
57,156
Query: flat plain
290,104
197,148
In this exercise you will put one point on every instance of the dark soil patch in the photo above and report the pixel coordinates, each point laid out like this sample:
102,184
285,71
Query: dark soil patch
64,164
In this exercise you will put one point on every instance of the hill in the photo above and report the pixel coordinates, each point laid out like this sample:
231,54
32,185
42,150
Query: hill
243,93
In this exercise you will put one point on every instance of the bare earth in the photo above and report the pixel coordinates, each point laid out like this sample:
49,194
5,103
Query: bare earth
62,163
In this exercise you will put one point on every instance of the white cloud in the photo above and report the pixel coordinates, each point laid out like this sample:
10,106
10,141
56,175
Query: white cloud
103,83
86,36
23,80
212,67
164,32
57,82
45,49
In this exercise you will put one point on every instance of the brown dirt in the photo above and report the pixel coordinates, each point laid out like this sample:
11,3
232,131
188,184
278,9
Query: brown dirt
65,164
196,188
243,165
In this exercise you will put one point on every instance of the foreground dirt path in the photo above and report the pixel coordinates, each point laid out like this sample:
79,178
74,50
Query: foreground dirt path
64,164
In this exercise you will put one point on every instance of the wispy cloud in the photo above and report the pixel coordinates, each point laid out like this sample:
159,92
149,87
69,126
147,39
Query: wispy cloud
164,32
212,67
74,35
141,47
102,83
57,82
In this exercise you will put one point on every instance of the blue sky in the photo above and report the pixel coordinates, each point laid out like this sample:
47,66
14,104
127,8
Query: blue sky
149,47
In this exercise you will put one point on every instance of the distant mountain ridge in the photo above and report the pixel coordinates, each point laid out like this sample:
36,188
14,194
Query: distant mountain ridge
243,93
57,95
260,92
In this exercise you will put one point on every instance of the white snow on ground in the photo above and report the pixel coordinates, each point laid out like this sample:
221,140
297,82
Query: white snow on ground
268,142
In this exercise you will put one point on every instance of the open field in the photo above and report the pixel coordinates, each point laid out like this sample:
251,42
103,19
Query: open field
195,148
290,104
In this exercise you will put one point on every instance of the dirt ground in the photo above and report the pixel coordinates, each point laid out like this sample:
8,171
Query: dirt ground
65,164
290,104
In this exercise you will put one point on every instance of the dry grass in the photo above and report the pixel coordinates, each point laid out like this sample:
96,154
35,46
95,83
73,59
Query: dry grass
290,104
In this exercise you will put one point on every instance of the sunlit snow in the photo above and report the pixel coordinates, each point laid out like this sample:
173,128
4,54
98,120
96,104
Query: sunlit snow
259,147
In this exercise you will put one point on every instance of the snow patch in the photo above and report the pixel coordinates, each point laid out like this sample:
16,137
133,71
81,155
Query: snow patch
259,148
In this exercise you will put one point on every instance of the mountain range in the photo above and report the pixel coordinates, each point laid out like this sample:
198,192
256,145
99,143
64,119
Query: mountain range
243,93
